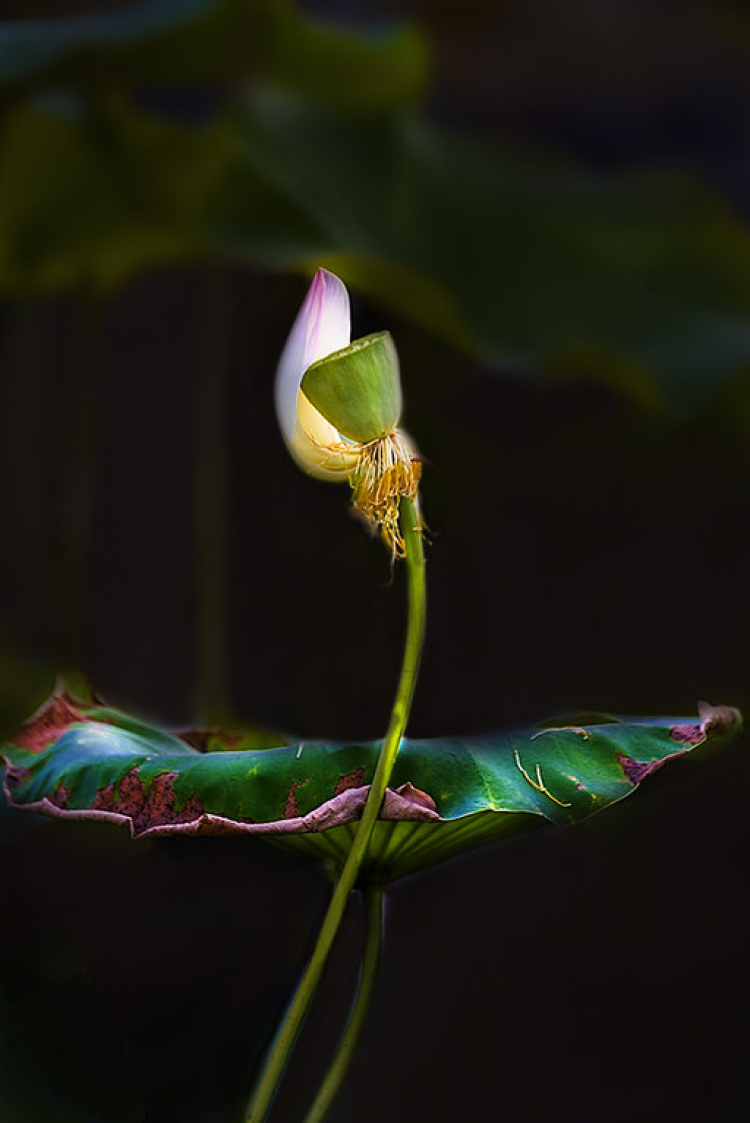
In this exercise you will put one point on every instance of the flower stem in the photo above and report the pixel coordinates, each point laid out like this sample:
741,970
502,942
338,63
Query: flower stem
287,1034
373,900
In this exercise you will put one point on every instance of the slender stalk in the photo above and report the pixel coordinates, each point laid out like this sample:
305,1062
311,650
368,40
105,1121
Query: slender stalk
360,1008
290,1027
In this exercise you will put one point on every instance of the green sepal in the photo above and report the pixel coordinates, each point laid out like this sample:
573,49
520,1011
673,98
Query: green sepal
358,389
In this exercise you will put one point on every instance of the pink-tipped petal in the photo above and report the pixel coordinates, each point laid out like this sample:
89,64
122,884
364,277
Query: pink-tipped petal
323,325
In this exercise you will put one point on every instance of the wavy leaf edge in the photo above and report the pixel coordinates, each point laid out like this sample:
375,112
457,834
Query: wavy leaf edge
152,805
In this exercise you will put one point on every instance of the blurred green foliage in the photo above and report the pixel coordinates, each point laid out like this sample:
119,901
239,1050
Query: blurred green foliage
211,41
313,151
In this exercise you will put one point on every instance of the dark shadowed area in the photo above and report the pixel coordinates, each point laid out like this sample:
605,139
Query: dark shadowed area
548,205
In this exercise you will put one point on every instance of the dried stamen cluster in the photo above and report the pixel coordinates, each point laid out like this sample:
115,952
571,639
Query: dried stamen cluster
388,469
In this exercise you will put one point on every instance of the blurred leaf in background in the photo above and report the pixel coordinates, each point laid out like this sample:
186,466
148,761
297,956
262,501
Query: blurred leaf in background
199,42
519,256
512,252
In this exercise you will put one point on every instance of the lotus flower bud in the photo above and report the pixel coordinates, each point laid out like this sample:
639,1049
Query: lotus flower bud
339,404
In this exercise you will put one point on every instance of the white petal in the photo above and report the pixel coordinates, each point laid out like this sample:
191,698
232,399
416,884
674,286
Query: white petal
323,325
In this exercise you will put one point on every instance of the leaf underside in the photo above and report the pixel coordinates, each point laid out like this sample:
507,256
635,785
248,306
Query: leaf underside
78,759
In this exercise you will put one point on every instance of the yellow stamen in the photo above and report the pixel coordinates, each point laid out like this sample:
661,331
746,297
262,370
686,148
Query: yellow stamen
388,469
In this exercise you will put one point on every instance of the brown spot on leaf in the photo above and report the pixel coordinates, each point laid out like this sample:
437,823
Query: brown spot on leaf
152,807
161,800
687,734
153,814
48,723
636,770
291,807
713,719
353,779
61,796
104,799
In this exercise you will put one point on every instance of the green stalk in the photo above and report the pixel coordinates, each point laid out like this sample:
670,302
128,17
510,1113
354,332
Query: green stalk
366,987
290,1027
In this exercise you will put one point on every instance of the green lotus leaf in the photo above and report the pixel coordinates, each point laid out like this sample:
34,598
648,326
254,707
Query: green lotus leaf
200,41
78,759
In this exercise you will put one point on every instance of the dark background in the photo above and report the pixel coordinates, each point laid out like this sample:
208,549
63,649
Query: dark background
587,487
